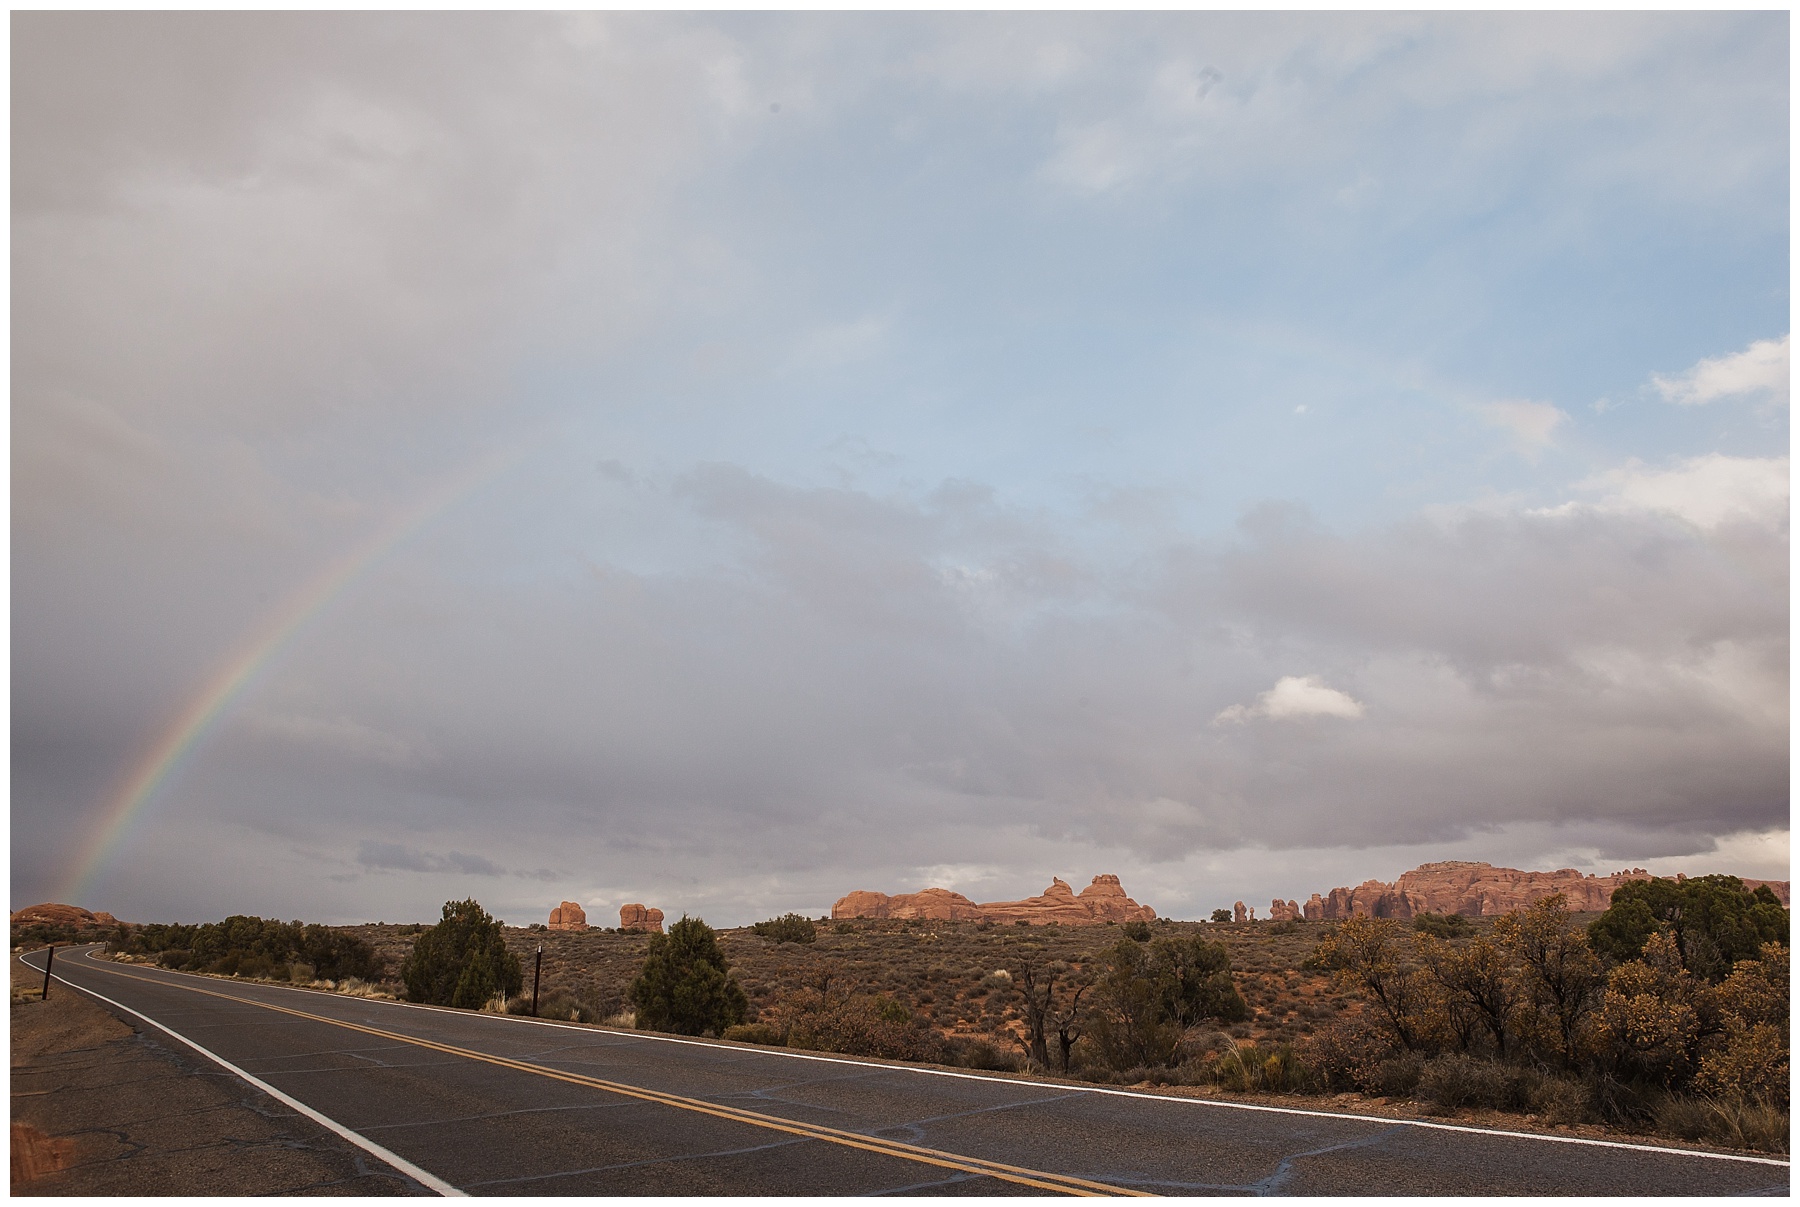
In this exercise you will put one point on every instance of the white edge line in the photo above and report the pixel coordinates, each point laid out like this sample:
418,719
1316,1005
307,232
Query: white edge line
400,1163
1073,1089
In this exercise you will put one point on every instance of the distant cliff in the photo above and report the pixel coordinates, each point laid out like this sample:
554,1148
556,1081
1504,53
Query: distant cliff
1475,889
1102,901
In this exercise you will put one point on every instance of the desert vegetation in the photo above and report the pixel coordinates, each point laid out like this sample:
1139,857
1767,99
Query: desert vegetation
462,961
248,946
685,984
1665,1015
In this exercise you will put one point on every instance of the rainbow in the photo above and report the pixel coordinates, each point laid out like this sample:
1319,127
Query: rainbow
126,805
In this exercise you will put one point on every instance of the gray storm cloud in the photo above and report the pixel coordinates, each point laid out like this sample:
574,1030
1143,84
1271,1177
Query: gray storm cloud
769,610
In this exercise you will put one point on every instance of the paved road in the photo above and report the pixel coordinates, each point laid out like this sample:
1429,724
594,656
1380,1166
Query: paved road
482,1104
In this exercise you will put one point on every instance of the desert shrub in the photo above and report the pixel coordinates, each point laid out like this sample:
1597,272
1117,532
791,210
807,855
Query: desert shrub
175,958
561,1005
1138,930
753,1033
685,984
981,1054
829,1019
1748,1123
1733,1122
1344,1057
1561,1100
462,961
1442,926
1715,921
1458,1079
302,974
1279,1069
1369,954
1397,1076
1146,998
1654,1015
1221,915
845,928
224,947
1560,979
1477,998
789,928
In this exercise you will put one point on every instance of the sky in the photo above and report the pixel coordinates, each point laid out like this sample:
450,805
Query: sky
726,461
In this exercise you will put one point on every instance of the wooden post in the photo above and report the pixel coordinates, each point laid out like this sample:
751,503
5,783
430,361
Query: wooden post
48,960
535,974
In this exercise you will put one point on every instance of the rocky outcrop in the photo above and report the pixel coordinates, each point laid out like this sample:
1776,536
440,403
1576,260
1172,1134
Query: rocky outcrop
1102,901
1283,911
1481,890
639,917
1238,912
52,914
1314,909
933,904
568,916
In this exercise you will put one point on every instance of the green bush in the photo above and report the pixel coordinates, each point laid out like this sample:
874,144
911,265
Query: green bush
1137,930
462,961
685,984
1442,926
1221,915
245,945
1716,921
789,928
754,1033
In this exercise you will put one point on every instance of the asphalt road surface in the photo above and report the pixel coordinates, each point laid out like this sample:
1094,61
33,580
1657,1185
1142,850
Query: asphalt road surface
484,1104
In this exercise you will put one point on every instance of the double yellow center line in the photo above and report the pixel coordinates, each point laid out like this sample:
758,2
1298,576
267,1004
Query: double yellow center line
1018,1176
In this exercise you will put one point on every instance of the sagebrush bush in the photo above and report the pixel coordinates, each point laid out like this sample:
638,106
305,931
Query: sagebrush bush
789,928
1458,1080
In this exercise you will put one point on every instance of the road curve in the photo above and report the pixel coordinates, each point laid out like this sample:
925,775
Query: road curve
483,1104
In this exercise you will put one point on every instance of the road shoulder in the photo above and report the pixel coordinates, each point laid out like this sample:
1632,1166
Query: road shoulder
100,1108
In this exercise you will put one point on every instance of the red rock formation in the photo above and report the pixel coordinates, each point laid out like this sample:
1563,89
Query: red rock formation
1778,887
1238,913
934,904
1283,911
638,917
1314,908
568,916
1482,890
1102,901
62,915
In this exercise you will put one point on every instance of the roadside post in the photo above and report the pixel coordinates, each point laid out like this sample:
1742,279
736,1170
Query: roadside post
536,972
48,960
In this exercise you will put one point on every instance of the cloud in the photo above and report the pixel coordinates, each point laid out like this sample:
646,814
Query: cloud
1294,697
1759,372
396,857
1705,491
1532,424
888,524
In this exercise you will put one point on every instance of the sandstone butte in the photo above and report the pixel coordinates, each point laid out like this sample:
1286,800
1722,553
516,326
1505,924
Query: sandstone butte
1476,889
62,915
568,916
1100,902
638,917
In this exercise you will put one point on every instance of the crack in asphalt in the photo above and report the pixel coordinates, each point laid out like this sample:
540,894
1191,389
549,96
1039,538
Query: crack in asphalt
524,1110
1262,1187
916,1127
678,1157
916,1187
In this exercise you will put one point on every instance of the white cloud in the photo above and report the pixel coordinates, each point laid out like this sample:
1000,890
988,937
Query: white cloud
1759,371
1532,424
1292,697
1705,491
